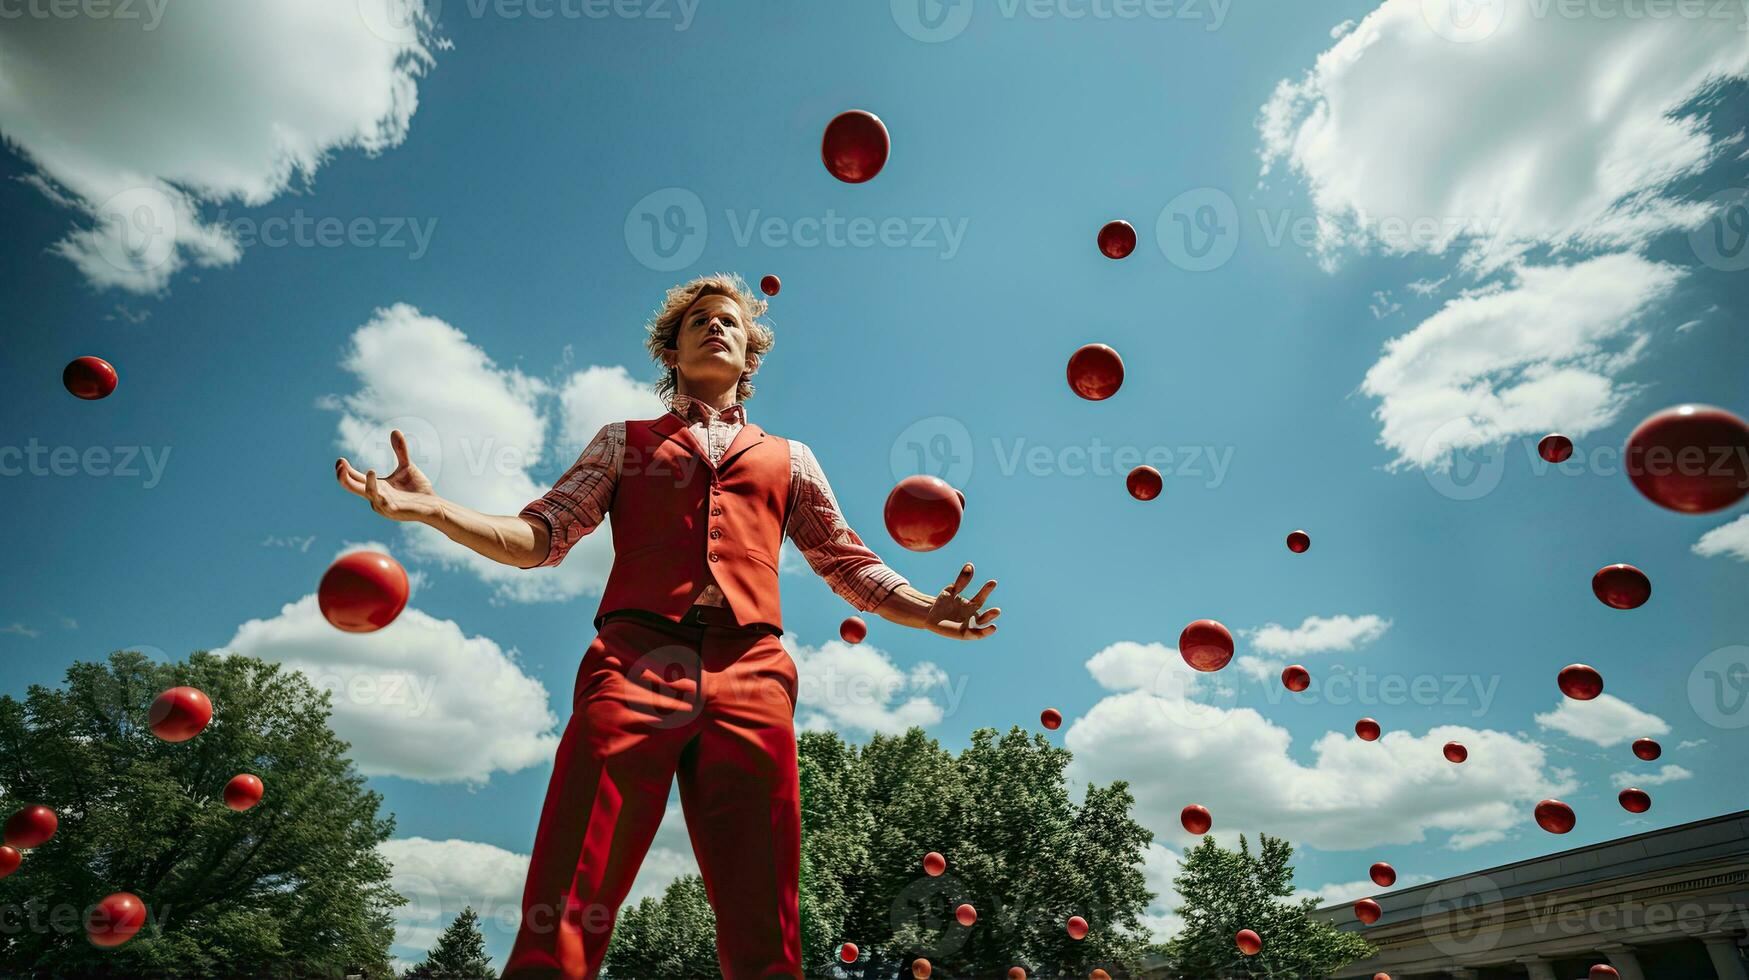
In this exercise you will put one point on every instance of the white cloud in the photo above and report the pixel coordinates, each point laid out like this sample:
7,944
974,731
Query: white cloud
1465,842
1170,734
1726,539
1538,354
1548,130
858,687
1343,892
1160,864
1605,720
138,119
1319,634
477,430
417,698
1690,744
1668,773
441,877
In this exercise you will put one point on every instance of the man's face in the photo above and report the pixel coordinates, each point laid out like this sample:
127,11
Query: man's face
711,344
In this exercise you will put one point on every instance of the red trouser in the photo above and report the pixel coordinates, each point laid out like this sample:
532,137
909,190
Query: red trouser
715,704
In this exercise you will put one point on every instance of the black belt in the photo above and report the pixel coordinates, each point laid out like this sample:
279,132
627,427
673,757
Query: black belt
698,617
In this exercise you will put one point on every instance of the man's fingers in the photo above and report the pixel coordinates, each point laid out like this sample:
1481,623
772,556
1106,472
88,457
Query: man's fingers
399,442
375,492
964,579
349,478
983,593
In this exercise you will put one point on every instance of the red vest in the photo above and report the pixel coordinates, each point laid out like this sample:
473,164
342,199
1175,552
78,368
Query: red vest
679,522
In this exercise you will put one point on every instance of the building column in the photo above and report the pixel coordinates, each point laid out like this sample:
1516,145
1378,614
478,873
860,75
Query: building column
1727,962
1539,968
1623,959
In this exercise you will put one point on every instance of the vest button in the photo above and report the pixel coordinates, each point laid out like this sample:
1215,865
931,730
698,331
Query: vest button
716,512
716,532
713,556
716,490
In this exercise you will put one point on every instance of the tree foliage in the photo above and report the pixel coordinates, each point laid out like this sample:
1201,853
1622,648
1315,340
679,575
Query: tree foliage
1226,891
1019,850
293,887
460,953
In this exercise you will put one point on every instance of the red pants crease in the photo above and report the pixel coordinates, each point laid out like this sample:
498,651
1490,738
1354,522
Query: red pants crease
713,706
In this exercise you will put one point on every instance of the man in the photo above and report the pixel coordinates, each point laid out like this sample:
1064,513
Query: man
686,676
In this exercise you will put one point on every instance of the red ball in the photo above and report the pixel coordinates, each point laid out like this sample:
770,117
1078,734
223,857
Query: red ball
1051,718
1604,972
1144,483
1206,645
1298,542
1621,586
923,512
89,378
1690,458
1647,749
848,952
180,714
1367,729
1095,372
1117,239
852,630
1248,942
1555,817
31,827
1381,976
1579,682
1016,973
855,146
1367,911
363,591
1635,800
1196,819
1296,678
243,791
770,285
10,859
1555,448
1098,974
1455,752
921,969
966,915
1077,927
115,919
934,864
1382,874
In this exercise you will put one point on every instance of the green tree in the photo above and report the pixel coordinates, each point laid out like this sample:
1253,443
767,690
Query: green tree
674,936
1019,850
1225,891
460,953
293,887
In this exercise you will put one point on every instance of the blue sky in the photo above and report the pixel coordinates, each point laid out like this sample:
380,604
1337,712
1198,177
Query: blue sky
488,266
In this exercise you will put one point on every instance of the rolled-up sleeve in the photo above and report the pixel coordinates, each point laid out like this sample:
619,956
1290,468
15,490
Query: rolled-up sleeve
832,549
578,503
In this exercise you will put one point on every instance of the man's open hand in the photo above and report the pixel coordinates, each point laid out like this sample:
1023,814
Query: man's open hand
404,495
952,614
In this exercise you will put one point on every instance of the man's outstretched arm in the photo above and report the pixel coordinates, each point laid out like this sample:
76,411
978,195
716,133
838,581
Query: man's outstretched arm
851,569
525,540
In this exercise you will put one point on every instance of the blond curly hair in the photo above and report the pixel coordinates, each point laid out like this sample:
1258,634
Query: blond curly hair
664,325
